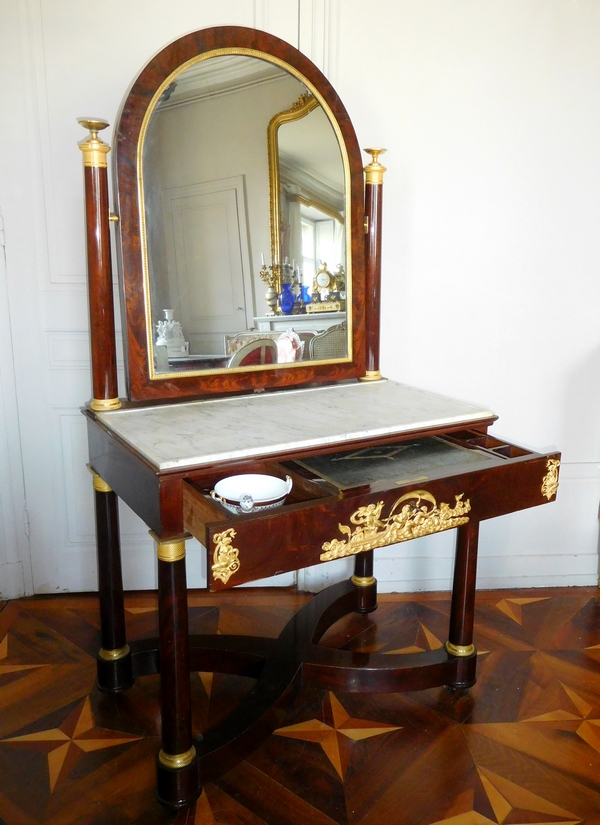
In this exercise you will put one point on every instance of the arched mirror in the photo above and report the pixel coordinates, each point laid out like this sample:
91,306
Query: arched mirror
240,196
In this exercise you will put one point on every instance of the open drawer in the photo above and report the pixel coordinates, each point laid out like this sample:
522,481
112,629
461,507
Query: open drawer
344,503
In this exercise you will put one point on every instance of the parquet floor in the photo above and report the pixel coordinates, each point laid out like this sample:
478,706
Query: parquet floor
522,747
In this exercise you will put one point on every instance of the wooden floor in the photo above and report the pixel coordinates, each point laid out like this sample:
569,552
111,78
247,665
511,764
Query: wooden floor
523,746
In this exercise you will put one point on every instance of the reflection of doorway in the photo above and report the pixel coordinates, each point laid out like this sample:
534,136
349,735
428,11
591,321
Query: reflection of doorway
208,261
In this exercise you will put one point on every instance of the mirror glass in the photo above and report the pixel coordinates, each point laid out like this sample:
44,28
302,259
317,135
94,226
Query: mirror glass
244,193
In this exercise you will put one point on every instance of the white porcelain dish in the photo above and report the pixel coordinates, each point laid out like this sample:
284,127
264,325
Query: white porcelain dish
250,492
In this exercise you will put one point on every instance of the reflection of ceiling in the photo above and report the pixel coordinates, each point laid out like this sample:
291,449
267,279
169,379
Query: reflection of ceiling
218,76
298,181
317,213
312,137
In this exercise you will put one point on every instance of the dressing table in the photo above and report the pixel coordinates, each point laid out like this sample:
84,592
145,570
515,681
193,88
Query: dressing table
373,462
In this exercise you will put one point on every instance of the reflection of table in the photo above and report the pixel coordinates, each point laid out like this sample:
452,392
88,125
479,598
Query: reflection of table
164,460
317,321
198,362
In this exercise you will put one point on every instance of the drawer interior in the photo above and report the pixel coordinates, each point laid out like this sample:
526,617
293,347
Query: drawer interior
407,461
428,477
345,473
206,509
487,444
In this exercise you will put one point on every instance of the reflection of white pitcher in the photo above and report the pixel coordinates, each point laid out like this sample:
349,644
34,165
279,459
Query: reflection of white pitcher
170,335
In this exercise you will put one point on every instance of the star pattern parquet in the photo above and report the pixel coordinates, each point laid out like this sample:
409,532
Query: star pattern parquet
520,748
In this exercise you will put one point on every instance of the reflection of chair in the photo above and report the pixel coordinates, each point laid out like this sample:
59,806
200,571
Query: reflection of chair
261,351
306,337
235,342
332,343
287,351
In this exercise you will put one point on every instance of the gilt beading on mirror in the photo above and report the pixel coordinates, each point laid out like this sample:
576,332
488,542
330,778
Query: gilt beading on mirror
218,183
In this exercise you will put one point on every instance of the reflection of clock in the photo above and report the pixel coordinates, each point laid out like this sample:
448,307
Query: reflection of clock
323,279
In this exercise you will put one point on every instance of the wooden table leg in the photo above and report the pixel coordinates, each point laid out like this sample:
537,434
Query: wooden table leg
462,611
365,583
177,763
114,657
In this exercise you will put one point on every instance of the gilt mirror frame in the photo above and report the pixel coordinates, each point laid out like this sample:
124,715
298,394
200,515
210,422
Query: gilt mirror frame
143,383
299,109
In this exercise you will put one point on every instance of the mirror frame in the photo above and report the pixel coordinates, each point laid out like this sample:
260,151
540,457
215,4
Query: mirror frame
131,252
299,109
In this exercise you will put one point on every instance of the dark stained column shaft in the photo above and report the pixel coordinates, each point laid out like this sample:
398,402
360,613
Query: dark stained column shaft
177,764
114,657
460,636
373,217
101,304
365,582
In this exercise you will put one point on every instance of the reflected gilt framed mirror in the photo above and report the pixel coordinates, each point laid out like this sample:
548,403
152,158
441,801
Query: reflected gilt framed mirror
238,182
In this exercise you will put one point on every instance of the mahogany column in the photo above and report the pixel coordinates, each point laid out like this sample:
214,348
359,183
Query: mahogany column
114,657
177,763
462,611
365,582
101,305
373,216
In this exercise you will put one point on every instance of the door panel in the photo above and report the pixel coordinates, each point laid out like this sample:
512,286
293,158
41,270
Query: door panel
207,250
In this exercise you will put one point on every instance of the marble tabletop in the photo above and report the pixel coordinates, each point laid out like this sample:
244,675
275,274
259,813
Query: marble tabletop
196,433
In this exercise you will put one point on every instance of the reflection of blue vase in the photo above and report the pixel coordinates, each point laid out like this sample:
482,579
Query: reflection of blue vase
306,295
286,299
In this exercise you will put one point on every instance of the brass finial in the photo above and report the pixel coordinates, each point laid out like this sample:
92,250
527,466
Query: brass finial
374,171
95,125
94,149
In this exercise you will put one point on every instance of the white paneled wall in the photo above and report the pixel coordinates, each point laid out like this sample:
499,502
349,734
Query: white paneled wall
491,265
15,570
491,285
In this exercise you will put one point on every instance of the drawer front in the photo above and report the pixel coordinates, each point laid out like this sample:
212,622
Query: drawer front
246,548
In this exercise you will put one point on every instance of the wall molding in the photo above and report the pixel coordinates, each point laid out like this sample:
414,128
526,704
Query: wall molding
15,558
43,168
70,350
261,14
318,34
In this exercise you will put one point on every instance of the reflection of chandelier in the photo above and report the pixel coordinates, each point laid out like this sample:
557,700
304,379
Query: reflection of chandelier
271,276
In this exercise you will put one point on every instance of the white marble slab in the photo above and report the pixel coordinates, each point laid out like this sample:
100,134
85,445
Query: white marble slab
202,432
